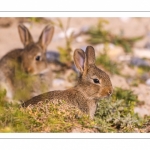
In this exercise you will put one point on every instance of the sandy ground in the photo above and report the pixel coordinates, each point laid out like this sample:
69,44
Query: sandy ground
9,39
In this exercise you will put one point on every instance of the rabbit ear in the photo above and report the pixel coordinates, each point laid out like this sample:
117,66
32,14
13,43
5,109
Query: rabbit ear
25,35
90,56
46,36
79,59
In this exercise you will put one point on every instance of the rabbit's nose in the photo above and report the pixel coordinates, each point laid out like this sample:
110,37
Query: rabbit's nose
29,70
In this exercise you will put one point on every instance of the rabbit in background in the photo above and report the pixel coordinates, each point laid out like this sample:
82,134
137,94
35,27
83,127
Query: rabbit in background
93,84
19,65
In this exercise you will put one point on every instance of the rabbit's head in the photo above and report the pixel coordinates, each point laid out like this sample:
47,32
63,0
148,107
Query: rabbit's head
93,83
33,56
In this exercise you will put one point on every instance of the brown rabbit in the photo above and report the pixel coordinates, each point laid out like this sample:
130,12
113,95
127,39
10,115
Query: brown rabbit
93,84
19,64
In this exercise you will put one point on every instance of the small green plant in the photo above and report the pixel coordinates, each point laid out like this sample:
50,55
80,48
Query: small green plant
104,60
99,35
65,52
117,114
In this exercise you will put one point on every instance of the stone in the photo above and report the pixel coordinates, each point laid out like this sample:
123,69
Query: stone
70,31
136,61
141,53
58,82
52,56
148,82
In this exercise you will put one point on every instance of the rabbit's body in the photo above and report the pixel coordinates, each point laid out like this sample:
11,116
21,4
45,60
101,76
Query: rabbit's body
19,67
93,84
7,69
71,96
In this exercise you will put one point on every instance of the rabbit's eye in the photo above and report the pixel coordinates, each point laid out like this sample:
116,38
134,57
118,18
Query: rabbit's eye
37,58
96,81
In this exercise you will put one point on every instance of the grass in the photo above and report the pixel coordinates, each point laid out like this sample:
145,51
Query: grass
113,115
99,35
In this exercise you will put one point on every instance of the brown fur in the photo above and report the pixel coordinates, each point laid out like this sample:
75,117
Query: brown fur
86,93
25,60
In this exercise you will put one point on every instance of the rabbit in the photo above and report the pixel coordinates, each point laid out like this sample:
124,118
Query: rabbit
28,62
93,84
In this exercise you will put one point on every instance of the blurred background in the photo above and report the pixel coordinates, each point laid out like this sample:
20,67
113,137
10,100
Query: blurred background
122,48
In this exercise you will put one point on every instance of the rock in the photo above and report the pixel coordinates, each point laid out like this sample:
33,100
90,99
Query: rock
76,32
58,84
84,29
70,31
61,84
124,58
52,56
139,62
141,53
148,82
